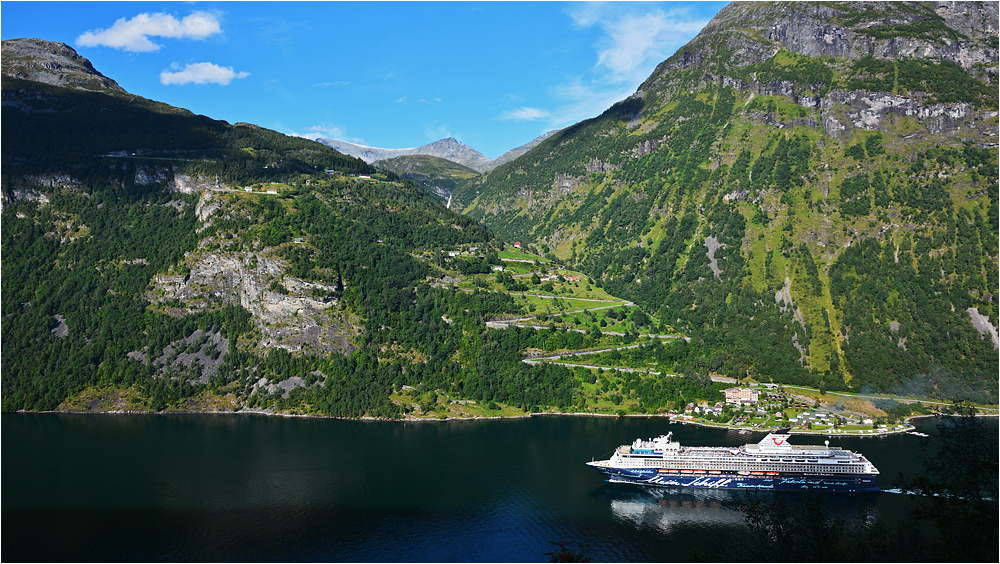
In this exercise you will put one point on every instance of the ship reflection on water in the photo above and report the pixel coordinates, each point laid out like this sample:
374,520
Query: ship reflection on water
666,509
670,509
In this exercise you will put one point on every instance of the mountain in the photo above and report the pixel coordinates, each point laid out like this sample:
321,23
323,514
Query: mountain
56,64
157,259
518,151
436,175
808,189
449,148
49,90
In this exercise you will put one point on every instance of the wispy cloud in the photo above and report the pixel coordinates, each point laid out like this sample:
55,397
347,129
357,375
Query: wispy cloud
635,41
633,38
524,114
201,73
133,34
401,100
330,83
431,101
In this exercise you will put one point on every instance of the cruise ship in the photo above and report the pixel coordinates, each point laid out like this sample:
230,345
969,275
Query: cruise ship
771,464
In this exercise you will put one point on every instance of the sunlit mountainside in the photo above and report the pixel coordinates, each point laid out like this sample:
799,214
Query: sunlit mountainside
808,189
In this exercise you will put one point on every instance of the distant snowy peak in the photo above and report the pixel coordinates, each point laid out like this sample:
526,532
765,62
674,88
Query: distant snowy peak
450,149
367,154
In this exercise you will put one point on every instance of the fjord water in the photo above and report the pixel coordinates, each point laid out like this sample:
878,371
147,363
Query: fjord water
219,487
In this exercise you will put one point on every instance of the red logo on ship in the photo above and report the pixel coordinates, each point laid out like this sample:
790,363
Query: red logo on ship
778,441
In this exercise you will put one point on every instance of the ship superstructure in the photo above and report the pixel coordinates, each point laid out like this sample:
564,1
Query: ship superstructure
773,464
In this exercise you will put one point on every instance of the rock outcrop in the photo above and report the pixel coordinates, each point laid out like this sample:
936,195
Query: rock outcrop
293,314
53,63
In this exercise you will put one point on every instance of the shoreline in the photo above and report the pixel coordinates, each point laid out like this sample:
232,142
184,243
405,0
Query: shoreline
874,433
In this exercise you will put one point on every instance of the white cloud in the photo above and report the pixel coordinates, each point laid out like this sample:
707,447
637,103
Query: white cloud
401,100
431,101
201,73
632,39
134,34
635,41
635,37
524,114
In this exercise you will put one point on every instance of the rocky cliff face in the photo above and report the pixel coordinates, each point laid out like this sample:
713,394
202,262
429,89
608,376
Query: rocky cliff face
752,32
838,35
290,313
52,63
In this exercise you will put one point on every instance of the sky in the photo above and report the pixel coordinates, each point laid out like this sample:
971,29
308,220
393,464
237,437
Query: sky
493,75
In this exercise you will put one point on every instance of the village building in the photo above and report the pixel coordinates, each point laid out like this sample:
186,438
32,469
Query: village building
741,395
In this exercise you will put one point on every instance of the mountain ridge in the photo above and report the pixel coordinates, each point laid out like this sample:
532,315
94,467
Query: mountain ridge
53,63
448,148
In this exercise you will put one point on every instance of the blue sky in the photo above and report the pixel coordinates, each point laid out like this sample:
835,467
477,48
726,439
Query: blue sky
494,75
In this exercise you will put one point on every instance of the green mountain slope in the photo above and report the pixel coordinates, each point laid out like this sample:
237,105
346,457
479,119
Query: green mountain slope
169,256
157,260
809,189
436,175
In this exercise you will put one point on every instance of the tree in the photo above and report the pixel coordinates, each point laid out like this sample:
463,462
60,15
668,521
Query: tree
958,491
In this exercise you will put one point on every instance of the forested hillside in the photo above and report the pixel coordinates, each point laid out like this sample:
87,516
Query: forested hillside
158,260
436,175
808,189
108,197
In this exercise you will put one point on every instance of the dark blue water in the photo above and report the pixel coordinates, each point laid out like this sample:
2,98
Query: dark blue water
203,487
